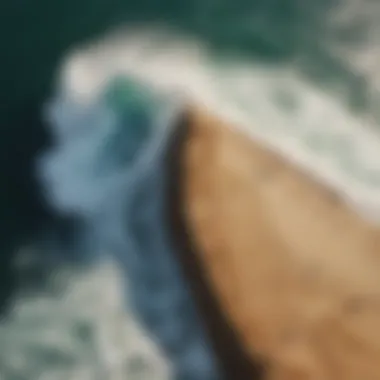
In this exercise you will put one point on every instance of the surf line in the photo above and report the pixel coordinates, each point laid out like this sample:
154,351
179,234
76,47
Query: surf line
341,150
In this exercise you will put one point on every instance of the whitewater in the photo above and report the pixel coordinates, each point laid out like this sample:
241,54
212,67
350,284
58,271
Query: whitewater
79,325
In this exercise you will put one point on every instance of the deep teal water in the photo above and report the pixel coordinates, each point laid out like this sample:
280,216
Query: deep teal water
35,36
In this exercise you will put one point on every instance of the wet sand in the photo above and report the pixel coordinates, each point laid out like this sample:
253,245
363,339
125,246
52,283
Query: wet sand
294,269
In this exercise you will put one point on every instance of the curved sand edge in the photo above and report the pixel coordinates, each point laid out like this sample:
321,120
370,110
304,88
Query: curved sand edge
319,135
295,268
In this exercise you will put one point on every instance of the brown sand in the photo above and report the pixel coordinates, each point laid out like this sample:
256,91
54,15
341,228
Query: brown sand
296,271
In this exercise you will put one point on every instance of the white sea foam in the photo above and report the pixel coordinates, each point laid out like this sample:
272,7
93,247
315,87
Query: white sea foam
245,93
84,334
318,134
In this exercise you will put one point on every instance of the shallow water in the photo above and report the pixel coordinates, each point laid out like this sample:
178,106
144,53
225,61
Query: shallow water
324,96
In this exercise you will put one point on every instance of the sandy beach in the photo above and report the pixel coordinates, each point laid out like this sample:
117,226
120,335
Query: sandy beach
294,267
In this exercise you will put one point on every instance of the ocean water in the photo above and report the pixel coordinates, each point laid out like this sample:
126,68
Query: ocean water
302,77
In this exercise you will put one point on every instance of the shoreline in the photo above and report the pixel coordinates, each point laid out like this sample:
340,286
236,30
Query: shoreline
244,95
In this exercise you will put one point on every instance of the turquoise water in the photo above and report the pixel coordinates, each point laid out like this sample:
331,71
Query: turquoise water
35,36
326,47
